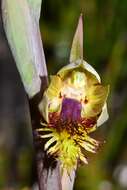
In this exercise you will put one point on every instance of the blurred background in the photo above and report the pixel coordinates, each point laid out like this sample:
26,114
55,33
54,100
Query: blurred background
105,48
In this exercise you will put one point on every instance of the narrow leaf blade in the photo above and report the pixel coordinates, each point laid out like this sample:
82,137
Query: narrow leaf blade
35,6
25,42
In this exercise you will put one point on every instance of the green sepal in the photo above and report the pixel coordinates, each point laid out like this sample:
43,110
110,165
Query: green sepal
77,45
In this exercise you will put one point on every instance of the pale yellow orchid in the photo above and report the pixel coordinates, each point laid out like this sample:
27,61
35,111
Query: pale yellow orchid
73,105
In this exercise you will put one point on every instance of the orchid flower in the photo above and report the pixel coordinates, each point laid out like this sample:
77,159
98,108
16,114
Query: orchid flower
73,106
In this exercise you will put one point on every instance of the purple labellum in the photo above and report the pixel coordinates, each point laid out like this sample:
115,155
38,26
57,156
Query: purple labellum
71,110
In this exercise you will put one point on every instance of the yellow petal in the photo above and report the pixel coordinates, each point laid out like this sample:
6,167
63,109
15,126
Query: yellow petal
80,65
43,107
89,68
91,79
68,68
54,104
96,97
50,101
54,87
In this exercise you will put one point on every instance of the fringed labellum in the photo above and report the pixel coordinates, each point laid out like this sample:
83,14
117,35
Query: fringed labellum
73,106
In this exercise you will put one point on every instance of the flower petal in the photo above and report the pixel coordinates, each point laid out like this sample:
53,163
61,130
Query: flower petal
54,87
89,68
43,107
104,116
97,95
54,105
78,64
70,67
50,101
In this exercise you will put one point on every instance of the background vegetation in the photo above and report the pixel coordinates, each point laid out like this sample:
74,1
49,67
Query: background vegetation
105,48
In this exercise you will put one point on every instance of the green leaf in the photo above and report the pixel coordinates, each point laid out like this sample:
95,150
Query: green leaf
77,45
23,35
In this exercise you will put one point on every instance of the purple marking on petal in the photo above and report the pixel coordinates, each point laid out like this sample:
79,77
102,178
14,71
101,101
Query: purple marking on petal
71,109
